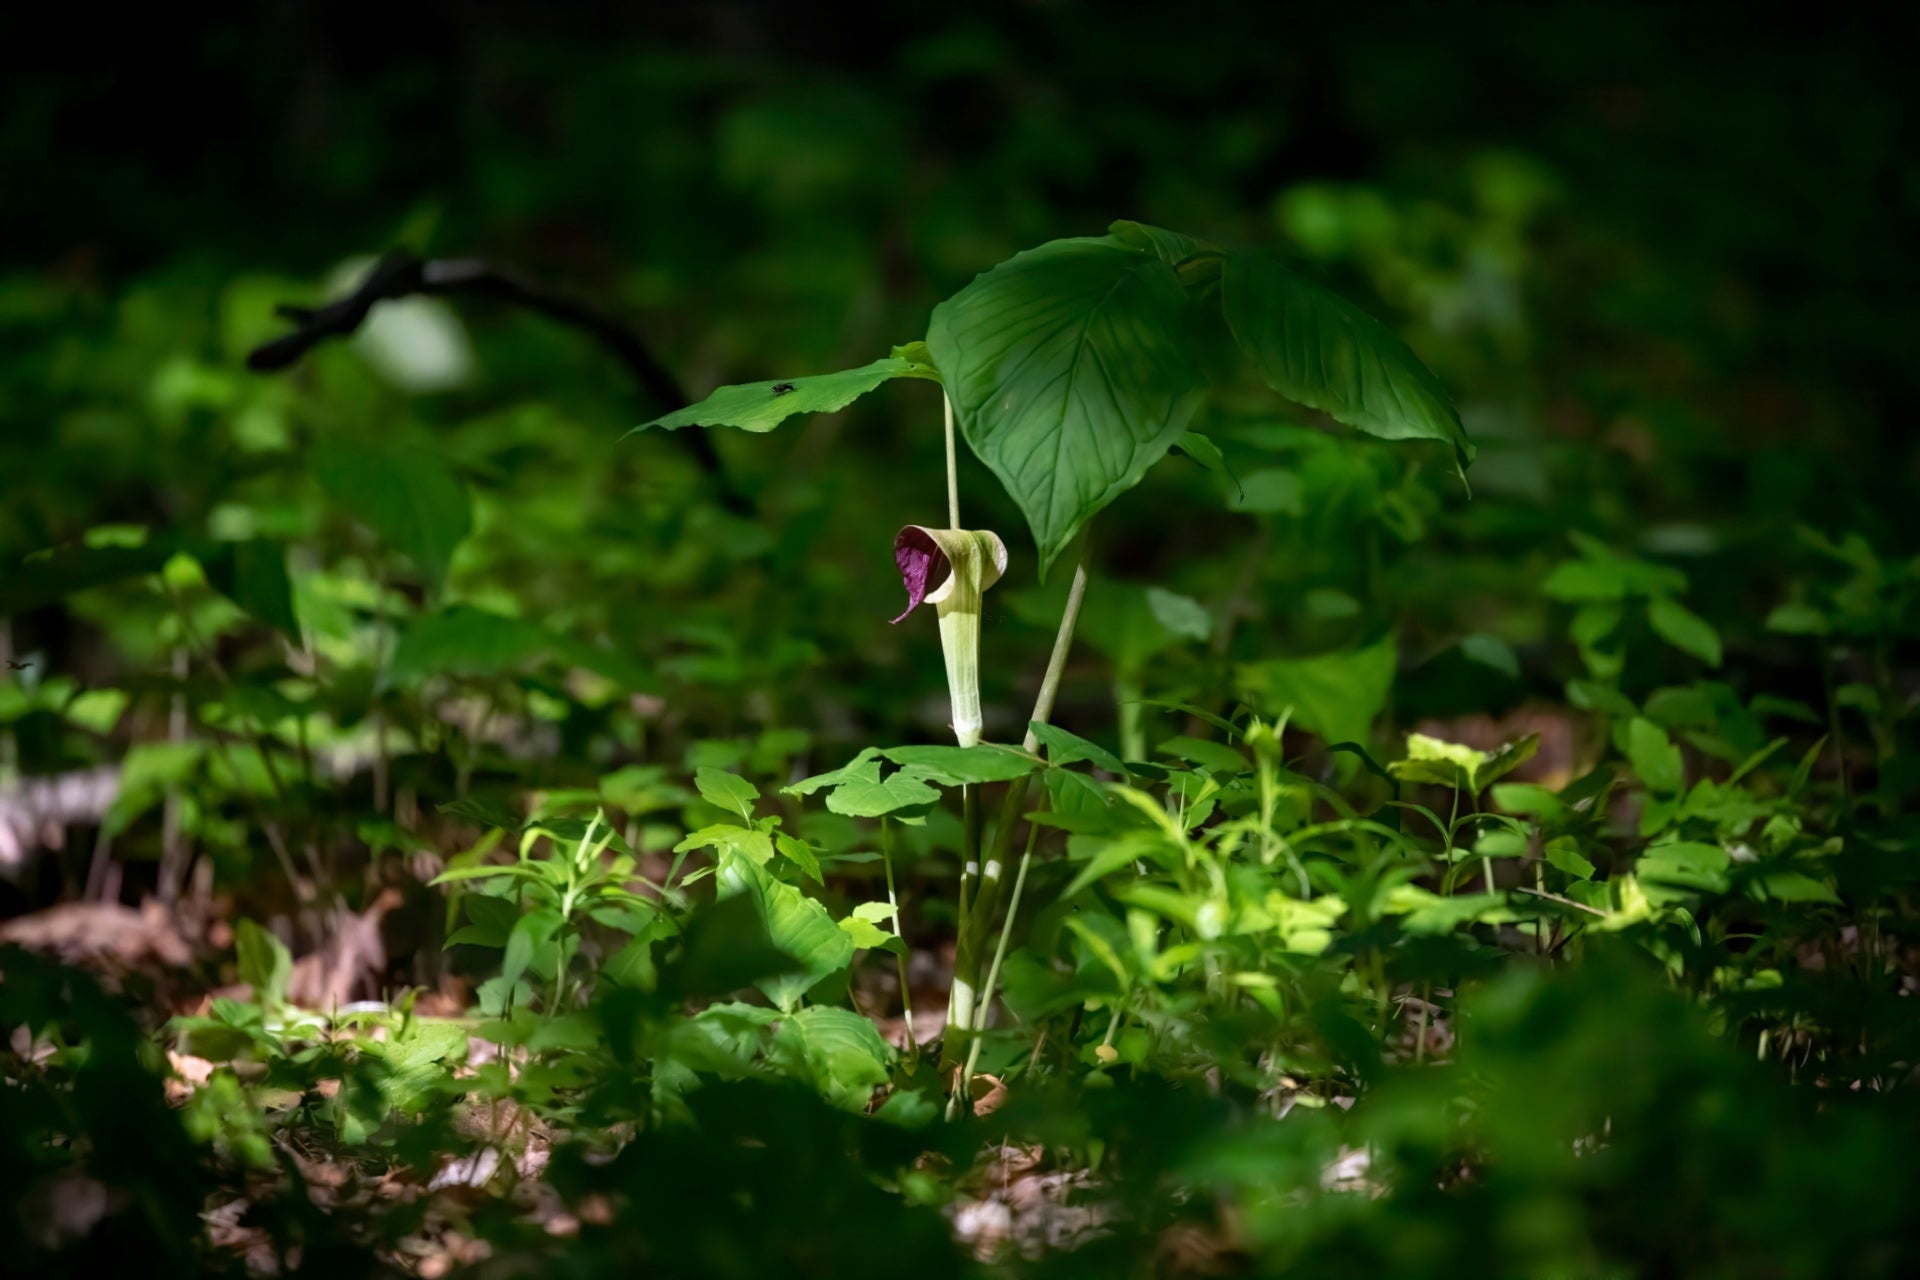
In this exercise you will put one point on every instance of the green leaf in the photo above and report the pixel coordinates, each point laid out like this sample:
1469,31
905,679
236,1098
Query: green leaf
1493,652
1683,629
47,576
1127,622
264,962
1065,748
864,765
531,932
1071,373
1430,915
725,790
800,854
1215,757
836,1050
405,495
415,1060
1794,886
1203,451
1451,764
1798,620
146,774
1654,757
1673,872
795,923
1564,853
463,641
859,792
1169,246
97,710
963,766
1317,349
1336,695
1131,847
253,574
754,845
762,406
480,810
1183,617
1603,575
865,934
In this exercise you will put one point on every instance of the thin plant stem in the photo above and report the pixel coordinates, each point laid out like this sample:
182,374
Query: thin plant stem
977,911
964,1083
1113,1024
899,927
953,468
1016,798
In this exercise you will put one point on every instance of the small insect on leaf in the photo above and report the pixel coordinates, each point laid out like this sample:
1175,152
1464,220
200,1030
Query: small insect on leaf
782,388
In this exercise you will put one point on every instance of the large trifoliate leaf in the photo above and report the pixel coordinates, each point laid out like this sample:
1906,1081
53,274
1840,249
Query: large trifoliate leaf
859,790
1070,371
1317,349
762,406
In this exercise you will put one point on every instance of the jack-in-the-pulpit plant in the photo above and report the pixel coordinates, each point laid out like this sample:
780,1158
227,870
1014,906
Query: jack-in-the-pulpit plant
1071,369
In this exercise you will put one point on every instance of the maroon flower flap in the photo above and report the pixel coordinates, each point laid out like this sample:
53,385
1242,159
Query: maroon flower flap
921,562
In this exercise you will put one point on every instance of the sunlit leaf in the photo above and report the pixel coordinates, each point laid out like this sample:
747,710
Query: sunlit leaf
1452,764
727,791
795,923
756,846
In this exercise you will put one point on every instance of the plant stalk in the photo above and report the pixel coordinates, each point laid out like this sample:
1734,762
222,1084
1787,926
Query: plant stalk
977,910
953,468
899,927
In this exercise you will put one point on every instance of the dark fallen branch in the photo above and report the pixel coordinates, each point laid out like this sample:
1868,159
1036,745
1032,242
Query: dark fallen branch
399,275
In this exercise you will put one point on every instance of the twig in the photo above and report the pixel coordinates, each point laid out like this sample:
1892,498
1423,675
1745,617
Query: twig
1554,897
400,274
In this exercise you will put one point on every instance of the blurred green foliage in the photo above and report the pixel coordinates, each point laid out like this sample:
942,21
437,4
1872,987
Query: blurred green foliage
1545,860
